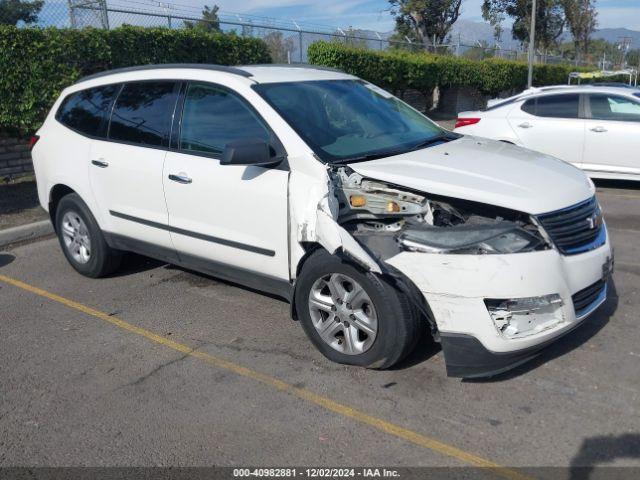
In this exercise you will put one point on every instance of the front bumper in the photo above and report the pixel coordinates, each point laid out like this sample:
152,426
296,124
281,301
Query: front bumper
456,286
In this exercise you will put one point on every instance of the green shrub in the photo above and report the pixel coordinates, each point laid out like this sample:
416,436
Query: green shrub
398,71
37,64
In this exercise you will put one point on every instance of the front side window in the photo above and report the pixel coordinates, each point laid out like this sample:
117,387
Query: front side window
87,111
142,113
554,106
613,107
349,120
213,117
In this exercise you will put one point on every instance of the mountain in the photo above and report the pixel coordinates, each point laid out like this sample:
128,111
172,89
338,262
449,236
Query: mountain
472,32
613,35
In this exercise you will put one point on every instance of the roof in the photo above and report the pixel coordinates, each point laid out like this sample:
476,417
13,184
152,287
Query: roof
293,73
555,89
257,73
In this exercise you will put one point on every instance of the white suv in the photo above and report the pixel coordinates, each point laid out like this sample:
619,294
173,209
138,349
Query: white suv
376,224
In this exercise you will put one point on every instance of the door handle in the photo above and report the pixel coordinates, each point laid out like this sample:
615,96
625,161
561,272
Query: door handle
598,129
99,163
525,125
180,178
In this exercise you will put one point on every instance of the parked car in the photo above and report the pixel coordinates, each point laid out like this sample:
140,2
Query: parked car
311,184
594,128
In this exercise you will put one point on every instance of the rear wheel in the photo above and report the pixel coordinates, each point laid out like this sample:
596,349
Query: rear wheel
354,317
81,239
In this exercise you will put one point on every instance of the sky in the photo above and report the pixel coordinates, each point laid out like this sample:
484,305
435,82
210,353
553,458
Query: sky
375,14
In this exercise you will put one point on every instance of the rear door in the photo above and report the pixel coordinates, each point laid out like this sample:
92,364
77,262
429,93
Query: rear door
126,167
551,124
612,134
225,215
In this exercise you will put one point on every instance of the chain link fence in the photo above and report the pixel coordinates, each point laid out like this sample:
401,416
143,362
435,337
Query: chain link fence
287,40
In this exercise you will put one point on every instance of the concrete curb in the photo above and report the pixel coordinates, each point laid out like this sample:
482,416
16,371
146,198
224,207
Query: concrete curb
25,232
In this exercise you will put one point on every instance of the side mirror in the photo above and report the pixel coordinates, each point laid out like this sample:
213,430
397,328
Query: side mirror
250,151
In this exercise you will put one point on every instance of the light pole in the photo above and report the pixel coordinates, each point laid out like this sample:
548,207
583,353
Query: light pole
532,42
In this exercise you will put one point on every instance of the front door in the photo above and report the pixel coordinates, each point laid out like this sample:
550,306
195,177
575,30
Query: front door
612,143
228,215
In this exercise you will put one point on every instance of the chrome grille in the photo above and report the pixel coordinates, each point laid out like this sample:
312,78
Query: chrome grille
575,229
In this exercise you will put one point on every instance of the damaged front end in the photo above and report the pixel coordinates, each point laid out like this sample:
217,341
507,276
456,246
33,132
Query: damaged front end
387,220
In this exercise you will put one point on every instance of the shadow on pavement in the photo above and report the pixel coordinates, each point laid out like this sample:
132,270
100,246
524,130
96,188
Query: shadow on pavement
603,449
6,259
618,184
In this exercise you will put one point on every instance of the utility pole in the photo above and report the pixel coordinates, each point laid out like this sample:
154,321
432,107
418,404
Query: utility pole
532,43
624,43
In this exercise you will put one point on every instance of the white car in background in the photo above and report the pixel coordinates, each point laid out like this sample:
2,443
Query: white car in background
595,128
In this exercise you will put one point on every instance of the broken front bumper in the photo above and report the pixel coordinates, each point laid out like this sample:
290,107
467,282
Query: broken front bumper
458,288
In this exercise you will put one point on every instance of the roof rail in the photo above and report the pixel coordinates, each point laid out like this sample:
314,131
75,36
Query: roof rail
294,65
138,68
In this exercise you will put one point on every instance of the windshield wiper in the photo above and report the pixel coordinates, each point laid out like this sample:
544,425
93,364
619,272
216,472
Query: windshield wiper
370,156
440,138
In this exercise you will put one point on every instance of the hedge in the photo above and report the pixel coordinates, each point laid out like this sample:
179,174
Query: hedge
36,64
398,71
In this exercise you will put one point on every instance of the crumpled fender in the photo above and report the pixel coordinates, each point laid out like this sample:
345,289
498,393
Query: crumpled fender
334,238
314,209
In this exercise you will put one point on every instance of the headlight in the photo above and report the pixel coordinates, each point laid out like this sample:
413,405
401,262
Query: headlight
501,237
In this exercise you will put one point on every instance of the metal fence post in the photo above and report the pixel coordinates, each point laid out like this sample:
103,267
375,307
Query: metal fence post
299,38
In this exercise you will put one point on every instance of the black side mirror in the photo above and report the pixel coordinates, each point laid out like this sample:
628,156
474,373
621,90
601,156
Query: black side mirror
250,151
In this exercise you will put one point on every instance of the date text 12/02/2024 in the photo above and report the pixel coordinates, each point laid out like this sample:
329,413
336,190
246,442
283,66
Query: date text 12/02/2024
315,472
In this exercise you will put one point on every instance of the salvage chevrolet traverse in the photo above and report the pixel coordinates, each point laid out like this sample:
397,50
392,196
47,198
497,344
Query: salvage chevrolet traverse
374,223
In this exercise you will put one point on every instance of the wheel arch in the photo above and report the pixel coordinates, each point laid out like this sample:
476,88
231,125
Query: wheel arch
399,280
57,192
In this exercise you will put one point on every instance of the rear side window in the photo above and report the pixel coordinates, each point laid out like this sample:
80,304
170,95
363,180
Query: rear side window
87,111
142,113
613,107
529,106
554,106
213,117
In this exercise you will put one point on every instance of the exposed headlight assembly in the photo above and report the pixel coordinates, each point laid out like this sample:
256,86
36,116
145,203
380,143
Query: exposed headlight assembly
425,223
499,237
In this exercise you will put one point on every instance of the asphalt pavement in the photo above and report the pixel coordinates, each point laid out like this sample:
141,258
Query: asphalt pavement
161,366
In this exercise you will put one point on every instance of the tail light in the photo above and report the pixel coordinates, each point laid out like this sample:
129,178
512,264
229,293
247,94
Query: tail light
463,122
32,141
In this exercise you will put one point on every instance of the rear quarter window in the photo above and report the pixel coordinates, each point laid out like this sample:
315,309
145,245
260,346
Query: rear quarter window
87,111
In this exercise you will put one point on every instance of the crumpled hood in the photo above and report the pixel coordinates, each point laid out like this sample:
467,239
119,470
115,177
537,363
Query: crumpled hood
485,171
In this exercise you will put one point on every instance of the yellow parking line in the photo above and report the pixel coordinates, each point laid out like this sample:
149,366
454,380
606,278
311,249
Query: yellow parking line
309,396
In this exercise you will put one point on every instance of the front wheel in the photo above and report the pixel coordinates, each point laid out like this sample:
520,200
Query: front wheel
354,317
81,239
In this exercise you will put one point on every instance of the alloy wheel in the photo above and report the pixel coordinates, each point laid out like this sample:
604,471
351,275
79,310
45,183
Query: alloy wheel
343,314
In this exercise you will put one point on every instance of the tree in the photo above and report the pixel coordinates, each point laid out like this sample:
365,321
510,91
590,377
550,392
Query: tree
209,21
14,11
424,20
279,47
549,19
581,19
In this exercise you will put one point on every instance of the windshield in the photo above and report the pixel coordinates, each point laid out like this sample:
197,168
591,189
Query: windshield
350,120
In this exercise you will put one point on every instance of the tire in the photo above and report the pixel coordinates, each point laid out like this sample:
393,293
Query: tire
381,309
81,239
